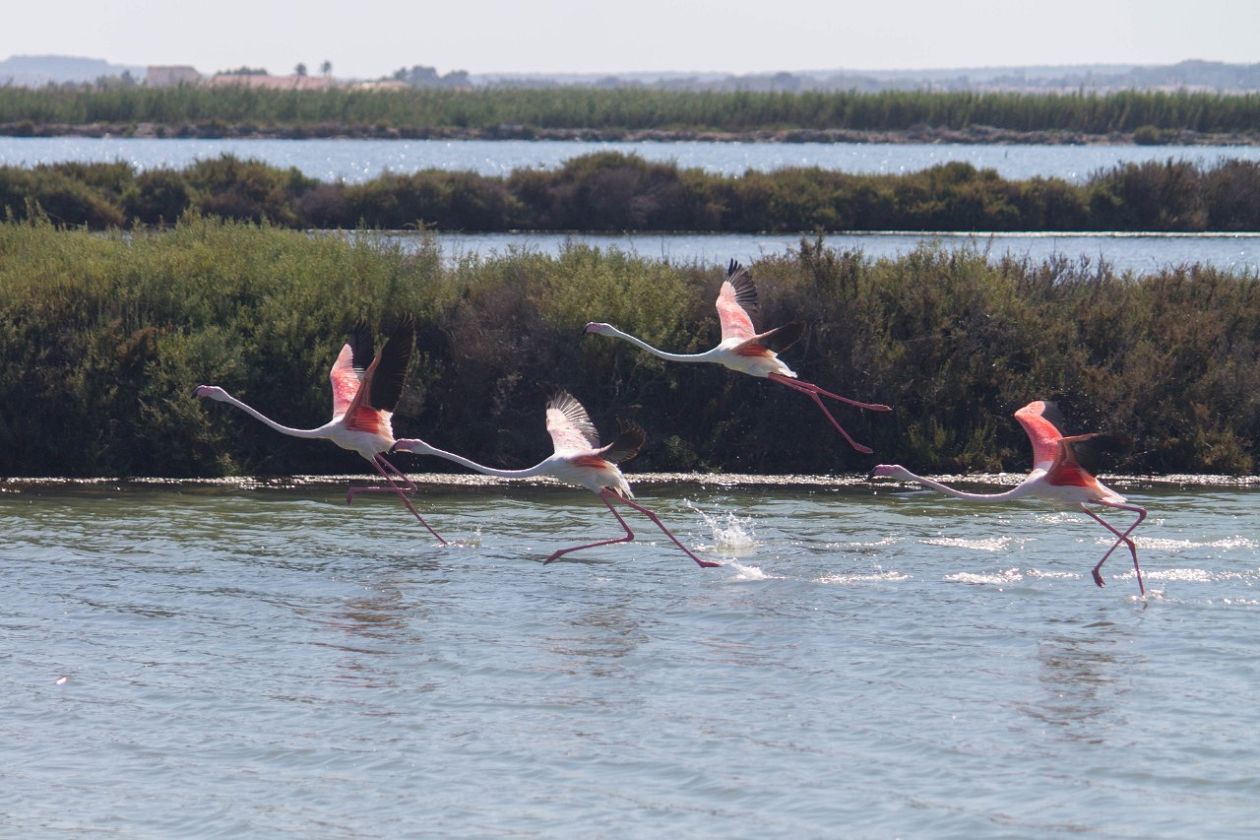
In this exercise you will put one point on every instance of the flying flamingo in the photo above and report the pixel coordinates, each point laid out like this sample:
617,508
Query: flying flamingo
1057,475
365,389
578,459
744,350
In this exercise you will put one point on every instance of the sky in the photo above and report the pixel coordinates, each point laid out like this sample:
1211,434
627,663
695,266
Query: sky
367,39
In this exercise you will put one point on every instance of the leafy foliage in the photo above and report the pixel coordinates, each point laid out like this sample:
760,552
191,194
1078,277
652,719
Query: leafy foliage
610,191
104,337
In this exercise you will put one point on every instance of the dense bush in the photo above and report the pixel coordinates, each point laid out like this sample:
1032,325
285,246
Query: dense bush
103,338
610,191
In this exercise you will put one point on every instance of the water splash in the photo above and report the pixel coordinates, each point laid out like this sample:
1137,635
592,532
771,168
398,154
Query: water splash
982,544
732,534
879,576
1049,575
1163,544
1003,578
473,541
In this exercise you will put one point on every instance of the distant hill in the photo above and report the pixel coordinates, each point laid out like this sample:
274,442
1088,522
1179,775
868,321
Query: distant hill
1191,75
39,70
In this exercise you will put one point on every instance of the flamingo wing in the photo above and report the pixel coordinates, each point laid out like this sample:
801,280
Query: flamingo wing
391,371
382,384
737,302
569,425
628,443
347,372
776,340
1067,467
1042,431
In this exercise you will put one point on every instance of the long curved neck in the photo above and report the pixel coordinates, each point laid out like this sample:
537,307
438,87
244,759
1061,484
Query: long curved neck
1015,492
670,357
537,469
262,418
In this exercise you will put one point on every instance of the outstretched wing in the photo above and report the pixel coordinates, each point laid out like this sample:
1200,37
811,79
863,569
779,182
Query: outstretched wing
737,303
1067,468
776,340
347,372
1043,433
628,443
391,372
569,425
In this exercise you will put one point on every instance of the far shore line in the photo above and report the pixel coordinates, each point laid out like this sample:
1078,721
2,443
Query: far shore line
214,130
17,485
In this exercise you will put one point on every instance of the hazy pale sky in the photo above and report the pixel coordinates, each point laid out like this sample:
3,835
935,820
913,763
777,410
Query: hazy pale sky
369,39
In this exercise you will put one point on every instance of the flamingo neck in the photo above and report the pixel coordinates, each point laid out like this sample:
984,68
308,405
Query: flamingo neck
1018,491
421,448
282,429
667,356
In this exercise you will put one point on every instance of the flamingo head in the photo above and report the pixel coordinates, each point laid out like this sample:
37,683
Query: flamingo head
412,445
210,392
599,328
889,471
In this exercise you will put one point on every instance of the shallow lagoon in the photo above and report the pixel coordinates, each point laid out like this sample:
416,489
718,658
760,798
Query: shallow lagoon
261,659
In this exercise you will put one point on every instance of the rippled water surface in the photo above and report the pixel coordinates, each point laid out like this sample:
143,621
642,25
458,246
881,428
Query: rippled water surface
866,662
1136,252
361,160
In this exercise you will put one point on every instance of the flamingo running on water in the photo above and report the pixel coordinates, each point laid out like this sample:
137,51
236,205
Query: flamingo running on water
745,350
578,459
365,388
1057,475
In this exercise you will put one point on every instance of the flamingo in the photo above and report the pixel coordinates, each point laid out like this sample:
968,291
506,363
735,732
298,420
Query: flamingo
365,389
745,350
578,459
1057,475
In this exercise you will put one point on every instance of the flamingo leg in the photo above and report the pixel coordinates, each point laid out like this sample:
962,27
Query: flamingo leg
704,564
1120,538
810,390
627,538
400,491
408,486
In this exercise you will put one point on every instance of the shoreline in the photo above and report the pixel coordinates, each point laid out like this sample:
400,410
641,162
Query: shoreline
975,135
18,485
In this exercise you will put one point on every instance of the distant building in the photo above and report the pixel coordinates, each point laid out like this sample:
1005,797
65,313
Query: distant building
274,82
382,84
170,75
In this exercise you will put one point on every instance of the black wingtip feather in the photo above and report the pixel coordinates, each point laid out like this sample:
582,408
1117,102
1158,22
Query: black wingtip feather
361,346
630,439
391,373
784,337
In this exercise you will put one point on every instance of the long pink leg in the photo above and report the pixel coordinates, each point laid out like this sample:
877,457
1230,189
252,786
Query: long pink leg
1121,538
809,390
823,392
704,564
627,538
408,486
401,492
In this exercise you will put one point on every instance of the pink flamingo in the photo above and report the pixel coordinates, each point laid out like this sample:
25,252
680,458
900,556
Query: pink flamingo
744,350
578,459
366,389
1056,475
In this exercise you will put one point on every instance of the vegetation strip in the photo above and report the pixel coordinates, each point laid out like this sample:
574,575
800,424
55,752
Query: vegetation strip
610,191
1147,116
104,337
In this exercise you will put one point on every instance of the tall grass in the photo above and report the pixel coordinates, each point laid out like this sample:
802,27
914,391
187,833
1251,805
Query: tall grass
103,338
420,112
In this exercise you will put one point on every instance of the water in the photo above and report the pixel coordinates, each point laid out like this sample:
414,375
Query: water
360,160
1137,252
259,661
